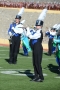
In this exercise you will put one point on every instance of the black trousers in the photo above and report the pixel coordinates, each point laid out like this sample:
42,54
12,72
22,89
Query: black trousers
37,53
50,45
14,48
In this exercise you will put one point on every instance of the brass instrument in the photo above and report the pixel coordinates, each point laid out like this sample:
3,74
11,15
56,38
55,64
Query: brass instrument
10,40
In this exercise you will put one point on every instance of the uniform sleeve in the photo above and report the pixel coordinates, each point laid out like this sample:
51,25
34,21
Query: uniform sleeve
18,30
9,30
47,33
35,35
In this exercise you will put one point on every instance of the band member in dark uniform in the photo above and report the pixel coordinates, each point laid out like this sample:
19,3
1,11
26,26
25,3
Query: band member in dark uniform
15,38
37,52
51,33
36,37
15,41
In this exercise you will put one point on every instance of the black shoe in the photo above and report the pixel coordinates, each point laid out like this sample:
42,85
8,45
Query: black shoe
10,62
34,79
14,62
48,54
39,80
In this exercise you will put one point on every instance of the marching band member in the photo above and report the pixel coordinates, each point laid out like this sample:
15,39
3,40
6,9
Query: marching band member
25,43
36,37
15,38
56,40
51,33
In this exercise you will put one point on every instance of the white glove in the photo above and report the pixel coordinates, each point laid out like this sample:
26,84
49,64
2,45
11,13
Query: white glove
10,33
12,28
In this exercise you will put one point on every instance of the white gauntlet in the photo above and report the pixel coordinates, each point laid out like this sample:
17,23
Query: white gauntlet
10,33
12,28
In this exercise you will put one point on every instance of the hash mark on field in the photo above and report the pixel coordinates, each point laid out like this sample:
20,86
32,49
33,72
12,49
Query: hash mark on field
20,73
58,77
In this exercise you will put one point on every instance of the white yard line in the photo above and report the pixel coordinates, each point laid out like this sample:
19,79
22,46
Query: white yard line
20,73
58,77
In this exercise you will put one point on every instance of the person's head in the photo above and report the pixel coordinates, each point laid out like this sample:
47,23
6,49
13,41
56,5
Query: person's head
39,24
17,19
53,29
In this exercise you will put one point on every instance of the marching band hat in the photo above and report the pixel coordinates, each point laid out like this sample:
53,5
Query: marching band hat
53,28
18,17
40,20
39,23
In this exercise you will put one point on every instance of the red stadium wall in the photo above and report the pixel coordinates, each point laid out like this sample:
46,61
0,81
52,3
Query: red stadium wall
31,5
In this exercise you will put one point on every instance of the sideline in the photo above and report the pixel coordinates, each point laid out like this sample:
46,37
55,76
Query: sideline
5,42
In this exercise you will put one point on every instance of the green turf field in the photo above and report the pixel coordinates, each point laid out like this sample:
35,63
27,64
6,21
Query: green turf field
18,76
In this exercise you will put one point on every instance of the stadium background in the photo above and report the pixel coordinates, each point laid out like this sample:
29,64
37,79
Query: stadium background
7,16
16,77
33,0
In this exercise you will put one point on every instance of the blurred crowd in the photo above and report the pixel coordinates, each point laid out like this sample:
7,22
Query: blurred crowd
31,5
